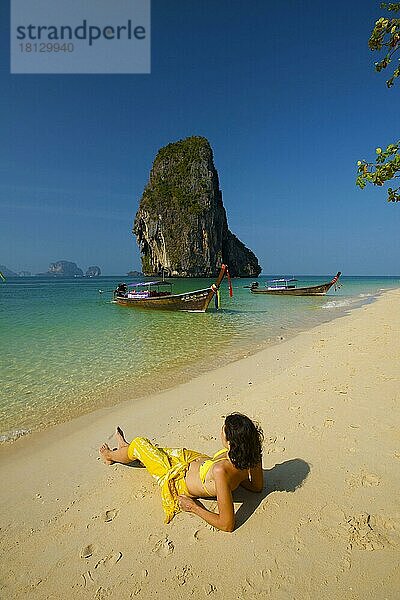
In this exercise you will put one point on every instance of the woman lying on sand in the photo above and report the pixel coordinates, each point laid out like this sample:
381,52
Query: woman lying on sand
184,475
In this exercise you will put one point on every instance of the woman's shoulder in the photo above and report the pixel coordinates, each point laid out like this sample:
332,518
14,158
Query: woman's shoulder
224,468
225,474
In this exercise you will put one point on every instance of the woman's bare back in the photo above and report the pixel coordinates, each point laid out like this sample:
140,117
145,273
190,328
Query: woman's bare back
195,486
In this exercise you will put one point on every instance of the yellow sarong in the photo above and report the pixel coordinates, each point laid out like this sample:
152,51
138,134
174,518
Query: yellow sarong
168,466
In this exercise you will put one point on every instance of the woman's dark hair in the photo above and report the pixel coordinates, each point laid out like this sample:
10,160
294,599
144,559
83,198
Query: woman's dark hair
245,441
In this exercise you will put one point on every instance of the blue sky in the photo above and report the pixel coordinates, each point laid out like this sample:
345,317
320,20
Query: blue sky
288,97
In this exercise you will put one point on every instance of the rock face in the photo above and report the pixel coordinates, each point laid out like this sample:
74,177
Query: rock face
93,272
64,268
181,225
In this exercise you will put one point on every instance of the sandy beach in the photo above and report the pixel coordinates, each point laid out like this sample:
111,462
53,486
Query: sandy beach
326,525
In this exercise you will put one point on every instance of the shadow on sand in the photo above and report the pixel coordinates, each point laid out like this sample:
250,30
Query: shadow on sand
283,477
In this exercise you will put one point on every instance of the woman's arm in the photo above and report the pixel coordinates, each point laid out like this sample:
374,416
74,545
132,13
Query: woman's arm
255,480
225,518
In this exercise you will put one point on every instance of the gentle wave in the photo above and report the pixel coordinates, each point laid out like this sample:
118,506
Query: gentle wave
13,435
337,303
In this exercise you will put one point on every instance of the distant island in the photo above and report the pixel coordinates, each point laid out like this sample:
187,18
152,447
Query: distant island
60,268
7,272
93,272
135,274
66,268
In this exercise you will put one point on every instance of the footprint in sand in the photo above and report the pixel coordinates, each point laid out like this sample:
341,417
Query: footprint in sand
330,521
372,532
369,479
315,432
109,561
279,449
271,444
110,515
184,574
257,584
363,479
87,551
101,593
87,579
139,583
202,534
272,449
209,589
197,534
136,591
141,492
164,547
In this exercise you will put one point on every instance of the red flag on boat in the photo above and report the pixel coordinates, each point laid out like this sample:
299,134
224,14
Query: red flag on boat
229,282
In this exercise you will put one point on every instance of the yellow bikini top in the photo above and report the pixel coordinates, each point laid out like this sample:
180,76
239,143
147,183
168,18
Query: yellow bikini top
207,464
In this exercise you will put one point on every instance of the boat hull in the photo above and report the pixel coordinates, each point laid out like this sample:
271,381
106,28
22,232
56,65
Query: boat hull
196,301
316,290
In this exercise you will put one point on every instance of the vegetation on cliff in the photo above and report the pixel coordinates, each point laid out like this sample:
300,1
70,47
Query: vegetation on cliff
171,182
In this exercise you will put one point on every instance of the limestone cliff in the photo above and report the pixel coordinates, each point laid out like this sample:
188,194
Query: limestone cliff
64,268
93,271
181,225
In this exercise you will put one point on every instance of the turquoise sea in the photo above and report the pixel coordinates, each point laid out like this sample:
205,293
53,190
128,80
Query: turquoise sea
65,349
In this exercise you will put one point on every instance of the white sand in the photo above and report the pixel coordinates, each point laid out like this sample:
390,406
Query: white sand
326,526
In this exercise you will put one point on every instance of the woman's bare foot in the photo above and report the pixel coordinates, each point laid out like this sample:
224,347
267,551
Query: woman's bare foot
105,453
119,436
119,455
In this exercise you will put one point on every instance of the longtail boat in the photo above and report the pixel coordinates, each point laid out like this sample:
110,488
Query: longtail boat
158,295
287,287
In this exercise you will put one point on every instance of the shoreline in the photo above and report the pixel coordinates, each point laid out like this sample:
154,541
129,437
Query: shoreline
328,402
191,370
